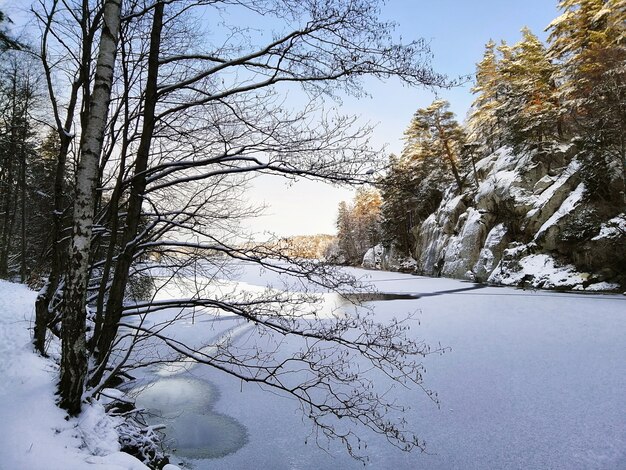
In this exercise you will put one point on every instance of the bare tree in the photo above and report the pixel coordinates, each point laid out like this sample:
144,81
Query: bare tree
161,175
66,50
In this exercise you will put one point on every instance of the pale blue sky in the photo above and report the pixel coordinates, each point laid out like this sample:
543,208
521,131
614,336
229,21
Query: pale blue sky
458,31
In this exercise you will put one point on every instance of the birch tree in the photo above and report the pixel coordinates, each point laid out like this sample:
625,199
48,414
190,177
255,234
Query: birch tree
66,58
74,350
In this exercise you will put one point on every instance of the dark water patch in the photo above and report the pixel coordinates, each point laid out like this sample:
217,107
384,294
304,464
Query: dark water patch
378,296
360,297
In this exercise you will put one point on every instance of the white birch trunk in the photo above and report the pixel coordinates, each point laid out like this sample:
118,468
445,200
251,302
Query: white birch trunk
74,350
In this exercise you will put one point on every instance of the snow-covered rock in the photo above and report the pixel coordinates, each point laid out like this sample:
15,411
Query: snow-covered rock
379,257
551,199
373,258
613,228
463,250
528,212
491,253
548,233
535,270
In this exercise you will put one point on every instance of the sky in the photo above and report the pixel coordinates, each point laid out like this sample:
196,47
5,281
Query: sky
457,31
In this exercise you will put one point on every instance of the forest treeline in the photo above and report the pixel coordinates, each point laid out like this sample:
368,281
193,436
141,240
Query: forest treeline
529,96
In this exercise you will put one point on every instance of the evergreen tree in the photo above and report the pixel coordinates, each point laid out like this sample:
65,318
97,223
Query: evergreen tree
411,190
345,234
366,216
528,106
358,225
435,133
17,100
399,188
6,40
589,42
483,120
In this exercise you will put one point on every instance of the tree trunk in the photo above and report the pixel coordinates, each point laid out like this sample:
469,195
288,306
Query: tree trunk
74,350
449,155
23,207
11,194
46,294
120,278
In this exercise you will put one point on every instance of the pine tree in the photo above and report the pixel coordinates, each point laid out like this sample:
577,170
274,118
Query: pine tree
528,106
413,186
398,189
6,40
366,216
358,225
411,190
589,42
435,133
483,121
345,235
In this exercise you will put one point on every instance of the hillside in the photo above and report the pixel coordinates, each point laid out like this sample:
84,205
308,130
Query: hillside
530,221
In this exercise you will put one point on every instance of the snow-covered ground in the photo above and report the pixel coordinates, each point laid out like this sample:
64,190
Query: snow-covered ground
534,380
34,434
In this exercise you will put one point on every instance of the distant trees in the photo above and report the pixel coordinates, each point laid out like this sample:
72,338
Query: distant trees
312,247
24,168
358,226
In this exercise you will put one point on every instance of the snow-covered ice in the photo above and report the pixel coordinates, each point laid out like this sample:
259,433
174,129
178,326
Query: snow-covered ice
533,380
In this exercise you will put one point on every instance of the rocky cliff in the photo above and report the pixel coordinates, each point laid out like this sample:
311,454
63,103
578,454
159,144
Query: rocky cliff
528,220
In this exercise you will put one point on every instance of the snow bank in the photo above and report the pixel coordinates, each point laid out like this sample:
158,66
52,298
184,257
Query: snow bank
538,271
35,432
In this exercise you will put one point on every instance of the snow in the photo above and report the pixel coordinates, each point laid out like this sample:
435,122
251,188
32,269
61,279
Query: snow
35,433
504,180
567,206
533,380
527,370
373,258
543,199
599,287
614,228
538,271
487,258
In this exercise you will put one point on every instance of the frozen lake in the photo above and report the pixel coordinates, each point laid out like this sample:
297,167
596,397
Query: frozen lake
533,380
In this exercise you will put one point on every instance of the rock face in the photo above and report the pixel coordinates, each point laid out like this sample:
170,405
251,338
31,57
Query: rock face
528,222
373,258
